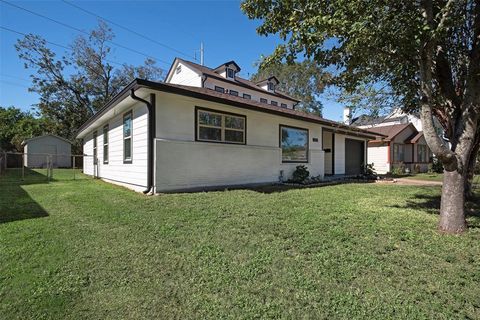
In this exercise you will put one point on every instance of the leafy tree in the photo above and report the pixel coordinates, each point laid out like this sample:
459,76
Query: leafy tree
302,80
16,126
427,51
75,86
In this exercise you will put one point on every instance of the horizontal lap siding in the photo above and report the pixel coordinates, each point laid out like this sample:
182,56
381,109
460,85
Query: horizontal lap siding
134,174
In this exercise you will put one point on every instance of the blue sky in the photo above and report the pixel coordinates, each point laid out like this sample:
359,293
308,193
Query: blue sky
226,32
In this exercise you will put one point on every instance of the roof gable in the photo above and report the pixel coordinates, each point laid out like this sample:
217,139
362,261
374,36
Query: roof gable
44,136
392,131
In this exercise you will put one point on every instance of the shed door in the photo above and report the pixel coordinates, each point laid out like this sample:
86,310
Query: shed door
51,149
353,156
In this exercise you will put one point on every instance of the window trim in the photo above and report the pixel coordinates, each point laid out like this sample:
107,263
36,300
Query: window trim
233,73
95,147
126,114
217,88
196,126
426,153
236,93
263,100
274,103
107,127
245,95
280,143
284,105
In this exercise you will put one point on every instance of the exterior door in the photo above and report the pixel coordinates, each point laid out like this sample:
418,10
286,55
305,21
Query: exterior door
354,156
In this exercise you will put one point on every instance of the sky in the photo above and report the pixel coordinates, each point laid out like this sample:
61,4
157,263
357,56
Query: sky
177,28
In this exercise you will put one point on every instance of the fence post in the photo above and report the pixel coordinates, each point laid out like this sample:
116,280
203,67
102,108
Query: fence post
23,166
73,167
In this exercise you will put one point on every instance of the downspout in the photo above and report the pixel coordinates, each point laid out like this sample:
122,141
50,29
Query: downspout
151,134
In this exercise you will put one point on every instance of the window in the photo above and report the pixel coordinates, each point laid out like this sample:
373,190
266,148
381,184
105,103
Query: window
105,144
271,86
422,153
263,100
247,96
233,93
398,152
294,144
230,73
284,105
179,69
219,89
95,147
274,103
127,138
213,126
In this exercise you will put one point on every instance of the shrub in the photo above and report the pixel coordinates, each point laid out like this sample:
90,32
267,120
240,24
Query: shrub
369,170
436,166
416,168
300,174
399,170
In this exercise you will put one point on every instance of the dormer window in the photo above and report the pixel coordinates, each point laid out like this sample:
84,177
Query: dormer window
271,86
230,73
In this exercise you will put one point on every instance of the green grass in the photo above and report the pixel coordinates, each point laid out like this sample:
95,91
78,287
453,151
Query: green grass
85,249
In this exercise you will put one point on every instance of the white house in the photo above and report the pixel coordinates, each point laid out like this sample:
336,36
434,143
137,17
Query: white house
404,145
40,150
207,127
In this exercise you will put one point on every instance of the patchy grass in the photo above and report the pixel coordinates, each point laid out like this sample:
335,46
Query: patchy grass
87,249
426,176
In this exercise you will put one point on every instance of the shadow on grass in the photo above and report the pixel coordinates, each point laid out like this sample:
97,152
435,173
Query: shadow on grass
15,203
431,204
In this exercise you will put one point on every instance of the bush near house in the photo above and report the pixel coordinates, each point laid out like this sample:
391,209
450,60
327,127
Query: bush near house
85,249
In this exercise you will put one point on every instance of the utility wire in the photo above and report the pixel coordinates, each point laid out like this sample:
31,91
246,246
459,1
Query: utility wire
84,32
54,44
128,29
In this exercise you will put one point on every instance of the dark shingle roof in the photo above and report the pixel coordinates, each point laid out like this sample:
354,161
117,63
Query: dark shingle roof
390,131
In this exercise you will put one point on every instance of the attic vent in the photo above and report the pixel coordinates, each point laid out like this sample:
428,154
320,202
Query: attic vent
179,69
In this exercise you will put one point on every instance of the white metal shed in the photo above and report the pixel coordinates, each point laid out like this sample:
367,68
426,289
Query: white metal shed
38,150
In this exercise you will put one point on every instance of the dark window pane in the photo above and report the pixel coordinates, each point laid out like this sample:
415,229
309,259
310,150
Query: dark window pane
105,153
284,105
127,126
127,145
234,122
233,136
247,96
233,93
294,144
210,134
230,73
262,100
210,119
274,103
219,89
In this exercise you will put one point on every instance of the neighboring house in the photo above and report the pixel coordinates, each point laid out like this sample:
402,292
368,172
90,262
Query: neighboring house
207,127
40,150
405,144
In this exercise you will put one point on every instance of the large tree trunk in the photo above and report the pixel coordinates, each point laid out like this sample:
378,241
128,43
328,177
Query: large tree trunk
452,214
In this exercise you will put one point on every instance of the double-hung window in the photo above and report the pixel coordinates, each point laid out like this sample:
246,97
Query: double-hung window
105,144
95,147
422,153
127,138
398,152
217,126
230,73
294,144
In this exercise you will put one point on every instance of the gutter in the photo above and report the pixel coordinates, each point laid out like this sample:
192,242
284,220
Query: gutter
151,134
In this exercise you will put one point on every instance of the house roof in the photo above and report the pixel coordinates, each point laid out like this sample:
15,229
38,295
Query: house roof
390,131
365,120
24,142
214,96
224,65
414,137
238,80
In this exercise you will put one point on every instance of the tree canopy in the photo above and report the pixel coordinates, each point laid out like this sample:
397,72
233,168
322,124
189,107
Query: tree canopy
302,80
77,84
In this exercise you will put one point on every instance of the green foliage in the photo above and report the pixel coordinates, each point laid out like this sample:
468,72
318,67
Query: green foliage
436,166
302,80
369,170
16,126
300,174
87,250
76,85
399,169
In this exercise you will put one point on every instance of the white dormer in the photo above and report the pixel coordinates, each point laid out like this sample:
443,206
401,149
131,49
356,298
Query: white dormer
228,70
268,84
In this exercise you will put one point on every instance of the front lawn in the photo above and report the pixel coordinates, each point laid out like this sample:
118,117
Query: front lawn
84,249
426,176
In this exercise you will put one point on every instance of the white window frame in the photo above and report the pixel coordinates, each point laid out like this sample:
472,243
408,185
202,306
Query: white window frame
106,137
222,127
233,73
95,147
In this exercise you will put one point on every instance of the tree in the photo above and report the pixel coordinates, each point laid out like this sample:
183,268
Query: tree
16,126
75,86
302,80
427,51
